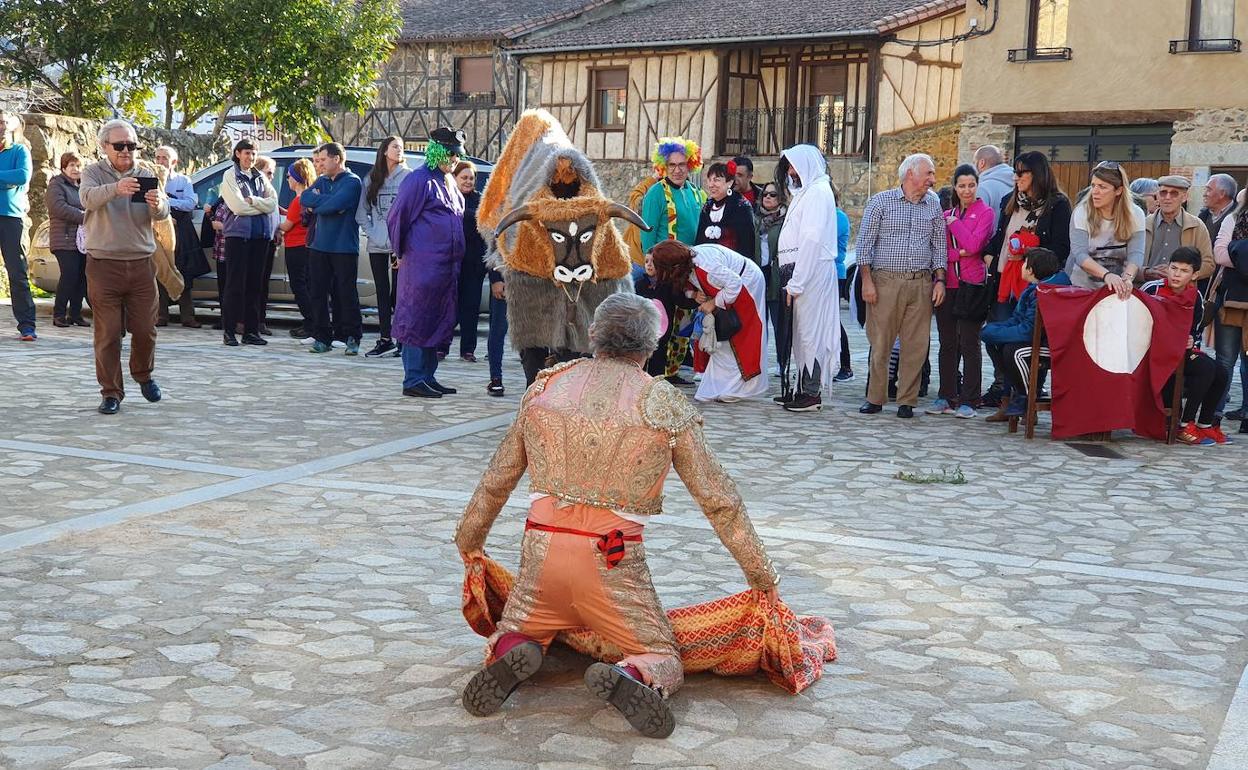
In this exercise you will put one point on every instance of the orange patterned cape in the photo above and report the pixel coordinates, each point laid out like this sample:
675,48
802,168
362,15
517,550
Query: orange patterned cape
737,635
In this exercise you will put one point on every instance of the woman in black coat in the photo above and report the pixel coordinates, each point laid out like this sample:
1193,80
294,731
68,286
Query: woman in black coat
1035,213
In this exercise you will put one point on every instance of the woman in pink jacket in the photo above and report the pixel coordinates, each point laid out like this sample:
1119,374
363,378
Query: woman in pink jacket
969,230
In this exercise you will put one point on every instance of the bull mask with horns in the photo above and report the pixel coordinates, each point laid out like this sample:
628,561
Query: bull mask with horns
572,238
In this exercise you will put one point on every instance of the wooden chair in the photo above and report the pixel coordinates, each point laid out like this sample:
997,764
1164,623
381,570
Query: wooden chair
1174,412
1034,355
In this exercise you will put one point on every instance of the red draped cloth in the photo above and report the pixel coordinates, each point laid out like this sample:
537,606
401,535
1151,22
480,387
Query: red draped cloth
746,344
1090,399
737,635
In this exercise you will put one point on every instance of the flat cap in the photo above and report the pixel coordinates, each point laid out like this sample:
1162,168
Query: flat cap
1176,181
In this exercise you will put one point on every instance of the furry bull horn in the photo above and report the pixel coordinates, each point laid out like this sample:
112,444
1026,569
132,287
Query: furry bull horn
519,214
624,212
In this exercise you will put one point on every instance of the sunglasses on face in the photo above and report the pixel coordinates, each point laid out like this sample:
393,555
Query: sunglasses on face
771,195
1169,193
125,146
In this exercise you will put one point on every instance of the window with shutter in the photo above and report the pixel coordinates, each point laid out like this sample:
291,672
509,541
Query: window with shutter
610,106
474,78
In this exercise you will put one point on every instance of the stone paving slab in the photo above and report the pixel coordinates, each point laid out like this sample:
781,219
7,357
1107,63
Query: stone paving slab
43,488
290,623
301,608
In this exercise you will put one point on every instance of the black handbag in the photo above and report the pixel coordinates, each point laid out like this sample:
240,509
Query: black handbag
727,323
972,301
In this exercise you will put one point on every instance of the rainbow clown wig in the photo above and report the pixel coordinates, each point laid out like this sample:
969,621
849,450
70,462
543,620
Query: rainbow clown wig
670,144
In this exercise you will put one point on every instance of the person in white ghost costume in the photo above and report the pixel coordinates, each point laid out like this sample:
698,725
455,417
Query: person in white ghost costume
807,258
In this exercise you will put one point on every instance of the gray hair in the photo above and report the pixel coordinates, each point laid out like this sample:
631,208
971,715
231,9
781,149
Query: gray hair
173,152
106,129
1144,186
912,162
1224,182
990,154
624,325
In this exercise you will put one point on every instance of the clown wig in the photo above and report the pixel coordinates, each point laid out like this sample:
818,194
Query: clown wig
670,144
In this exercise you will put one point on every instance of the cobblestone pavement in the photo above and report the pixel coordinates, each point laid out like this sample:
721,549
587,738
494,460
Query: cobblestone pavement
257,572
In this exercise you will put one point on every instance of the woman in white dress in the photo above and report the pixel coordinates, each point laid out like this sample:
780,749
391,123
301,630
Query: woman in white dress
722,280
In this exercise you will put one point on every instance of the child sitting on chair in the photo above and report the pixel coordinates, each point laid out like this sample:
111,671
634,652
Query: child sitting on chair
1039,266
1204,381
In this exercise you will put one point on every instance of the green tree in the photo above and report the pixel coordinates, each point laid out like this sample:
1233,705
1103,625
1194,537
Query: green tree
67,46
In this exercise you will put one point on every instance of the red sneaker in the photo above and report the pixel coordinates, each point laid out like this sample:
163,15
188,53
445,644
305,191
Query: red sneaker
1215,433
1193,436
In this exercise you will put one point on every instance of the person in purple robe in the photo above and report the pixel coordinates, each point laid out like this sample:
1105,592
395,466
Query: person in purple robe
426,227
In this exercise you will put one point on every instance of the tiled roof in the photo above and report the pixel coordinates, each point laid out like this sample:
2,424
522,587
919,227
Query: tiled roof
484,19
670,22
704,21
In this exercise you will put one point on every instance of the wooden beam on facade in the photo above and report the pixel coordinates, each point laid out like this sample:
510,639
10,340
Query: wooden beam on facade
1099,118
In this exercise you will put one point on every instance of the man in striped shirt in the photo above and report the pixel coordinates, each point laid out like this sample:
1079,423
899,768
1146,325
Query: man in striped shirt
902,256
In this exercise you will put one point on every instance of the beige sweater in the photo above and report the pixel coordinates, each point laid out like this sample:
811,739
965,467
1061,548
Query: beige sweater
118,228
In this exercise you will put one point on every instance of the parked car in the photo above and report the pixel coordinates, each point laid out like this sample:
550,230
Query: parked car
207,182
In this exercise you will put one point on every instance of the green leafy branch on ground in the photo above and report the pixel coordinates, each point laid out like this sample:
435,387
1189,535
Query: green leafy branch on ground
943,476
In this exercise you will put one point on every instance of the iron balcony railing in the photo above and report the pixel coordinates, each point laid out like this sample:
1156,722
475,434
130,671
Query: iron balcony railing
1038,54
1206,45
835,128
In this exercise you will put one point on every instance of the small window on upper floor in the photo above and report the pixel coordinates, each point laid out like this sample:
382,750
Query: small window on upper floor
610,107
1046,32
1210,29
1048,24
474,80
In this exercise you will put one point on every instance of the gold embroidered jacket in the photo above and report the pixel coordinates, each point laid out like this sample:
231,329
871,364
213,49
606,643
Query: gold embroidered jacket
604,433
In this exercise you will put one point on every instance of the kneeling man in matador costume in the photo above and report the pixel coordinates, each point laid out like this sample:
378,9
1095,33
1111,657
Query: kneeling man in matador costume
597,437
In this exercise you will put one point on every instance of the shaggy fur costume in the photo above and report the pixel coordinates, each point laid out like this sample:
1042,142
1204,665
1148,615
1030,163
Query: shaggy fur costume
539,168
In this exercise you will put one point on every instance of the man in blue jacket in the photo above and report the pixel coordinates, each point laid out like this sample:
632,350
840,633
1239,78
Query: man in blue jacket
15,173
1039,266
334,253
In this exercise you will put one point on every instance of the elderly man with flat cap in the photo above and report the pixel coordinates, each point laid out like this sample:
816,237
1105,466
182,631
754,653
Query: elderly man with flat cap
426,227
1170,227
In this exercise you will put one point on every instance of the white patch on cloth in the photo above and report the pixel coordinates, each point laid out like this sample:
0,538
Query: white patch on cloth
1117,334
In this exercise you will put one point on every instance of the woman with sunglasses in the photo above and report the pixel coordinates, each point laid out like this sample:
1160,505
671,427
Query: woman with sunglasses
1037,213
1107,234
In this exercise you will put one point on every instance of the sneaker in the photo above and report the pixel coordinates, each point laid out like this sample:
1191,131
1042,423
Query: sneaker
320,347
299,333
229,339
1017,407
940,406
28,335
1193,436
805,403
353,346
382,347
844,375
251,338
1215,432
495,388
1235,414
783,399
469,357
965,412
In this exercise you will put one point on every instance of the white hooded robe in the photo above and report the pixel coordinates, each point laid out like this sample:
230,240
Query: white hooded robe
808,242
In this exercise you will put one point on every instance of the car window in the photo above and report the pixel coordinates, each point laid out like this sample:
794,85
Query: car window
361,169
208,189
284,193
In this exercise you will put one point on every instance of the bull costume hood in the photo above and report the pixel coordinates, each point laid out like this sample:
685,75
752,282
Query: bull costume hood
550,233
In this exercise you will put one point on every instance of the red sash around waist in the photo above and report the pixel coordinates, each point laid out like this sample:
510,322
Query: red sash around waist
611,544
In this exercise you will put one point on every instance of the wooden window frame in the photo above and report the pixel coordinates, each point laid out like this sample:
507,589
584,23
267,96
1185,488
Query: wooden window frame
1032,52
459,94
595,105
1195,43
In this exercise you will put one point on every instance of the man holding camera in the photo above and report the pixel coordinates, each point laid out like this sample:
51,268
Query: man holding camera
122,200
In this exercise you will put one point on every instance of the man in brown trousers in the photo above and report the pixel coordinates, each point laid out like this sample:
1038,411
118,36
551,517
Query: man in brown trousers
120,274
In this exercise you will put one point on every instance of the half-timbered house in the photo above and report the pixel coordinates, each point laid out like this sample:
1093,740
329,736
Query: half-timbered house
450,67
867,82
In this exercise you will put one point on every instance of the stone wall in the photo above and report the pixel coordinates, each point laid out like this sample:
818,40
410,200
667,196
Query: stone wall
940,140
978,130
51,135
1211,138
